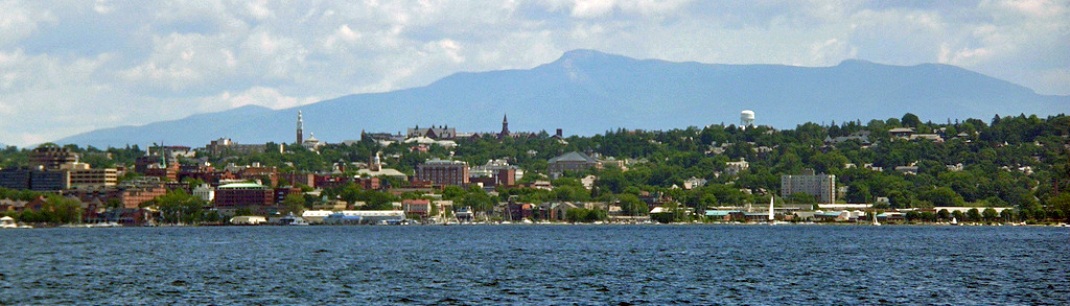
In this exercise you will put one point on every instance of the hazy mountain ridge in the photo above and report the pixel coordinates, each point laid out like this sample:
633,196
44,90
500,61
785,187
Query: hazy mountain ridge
587,92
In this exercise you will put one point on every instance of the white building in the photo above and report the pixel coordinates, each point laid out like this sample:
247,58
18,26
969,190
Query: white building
204,192
821,186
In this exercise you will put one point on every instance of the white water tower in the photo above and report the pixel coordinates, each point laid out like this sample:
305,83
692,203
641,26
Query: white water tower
746,118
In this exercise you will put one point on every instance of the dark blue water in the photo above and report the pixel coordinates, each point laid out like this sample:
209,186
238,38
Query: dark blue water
495,265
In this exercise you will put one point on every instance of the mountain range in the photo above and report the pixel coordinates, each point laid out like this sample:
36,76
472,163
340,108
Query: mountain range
586,92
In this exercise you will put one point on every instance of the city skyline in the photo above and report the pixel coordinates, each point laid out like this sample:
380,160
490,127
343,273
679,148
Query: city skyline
83,66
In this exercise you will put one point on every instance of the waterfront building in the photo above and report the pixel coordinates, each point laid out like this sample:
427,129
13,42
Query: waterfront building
821,186
243,195
420,207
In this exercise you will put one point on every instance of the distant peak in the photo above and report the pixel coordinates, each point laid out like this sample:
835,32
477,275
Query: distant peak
855,61
586,55
582,53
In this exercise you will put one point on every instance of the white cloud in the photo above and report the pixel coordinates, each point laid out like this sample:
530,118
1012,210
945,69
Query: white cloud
102,7
18,22
263,96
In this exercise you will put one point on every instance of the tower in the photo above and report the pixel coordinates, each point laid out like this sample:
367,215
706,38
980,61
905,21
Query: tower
746,119
505,126
300,128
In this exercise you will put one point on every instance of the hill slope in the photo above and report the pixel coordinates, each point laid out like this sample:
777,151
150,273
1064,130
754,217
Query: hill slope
587,92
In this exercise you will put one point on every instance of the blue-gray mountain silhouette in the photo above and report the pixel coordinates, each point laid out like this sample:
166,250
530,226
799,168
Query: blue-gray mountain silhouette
588,92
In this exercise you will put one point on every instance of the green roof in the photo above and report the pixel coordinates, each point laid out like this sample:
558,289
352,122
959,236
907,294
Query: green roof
241,185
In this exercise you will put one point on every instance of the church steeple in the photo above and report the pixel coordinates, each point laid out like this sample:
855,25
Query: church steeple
505,126
300,128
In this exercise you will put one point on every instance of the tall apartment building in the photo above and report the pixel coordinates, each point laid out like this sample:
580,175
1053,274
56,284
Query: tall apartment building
821,186
51,157
443,172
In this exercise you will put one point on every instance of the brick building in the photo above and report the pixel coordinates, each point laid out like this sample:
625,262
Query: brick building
443,172
243,195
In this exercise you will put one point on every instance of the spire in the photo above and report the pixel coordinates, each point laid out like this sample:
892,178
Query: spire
505,126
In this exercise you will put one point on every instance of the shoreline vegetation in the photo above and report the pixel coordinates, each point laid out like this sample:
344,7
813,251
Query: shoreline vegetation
599,223
1010,170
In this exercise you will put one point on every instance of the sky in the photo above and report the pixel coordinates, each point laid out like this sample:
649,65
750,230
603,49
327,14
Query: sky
68,67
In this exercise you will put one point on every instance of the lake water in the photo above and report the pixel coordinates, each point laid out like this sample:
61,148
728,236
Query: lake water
496,265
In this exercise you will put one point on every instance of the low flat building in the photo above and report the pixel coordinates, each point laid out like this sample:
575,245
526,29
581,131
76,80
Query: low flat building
93,178
420,207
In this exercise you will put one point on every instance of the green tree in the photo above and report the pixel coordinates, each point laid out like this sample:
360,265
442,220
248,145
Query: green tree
858,192
351,193
801,198
177,206
990,215
973,215
911,120
943,196
943,214
293,203
63,210
631,205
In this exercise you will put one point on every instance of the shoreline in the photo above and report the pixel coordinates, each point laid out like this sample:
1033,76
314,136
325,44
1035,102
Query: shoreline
843,224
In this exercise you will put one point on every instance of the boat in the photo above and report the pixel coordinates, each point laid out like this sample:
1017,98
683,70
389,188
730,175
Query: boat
772,215
104,224
875,222
292,220
9,222
954,221
340,218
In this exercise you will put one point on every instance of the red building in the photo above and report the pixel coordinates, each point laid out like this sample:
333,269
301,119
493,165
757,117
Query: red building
267,175
443,172
421,207
243,195
329,181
